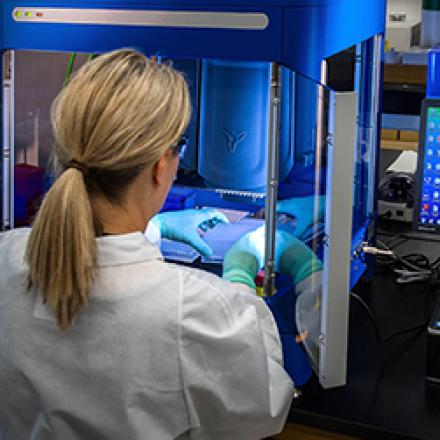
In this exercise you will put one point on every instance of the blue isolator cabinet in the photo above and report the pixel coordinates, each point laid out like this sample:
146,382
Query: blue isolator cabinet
269,123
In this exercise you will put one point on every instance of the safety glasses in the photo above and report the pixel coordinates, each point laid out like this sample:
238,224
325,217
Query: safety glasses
179,148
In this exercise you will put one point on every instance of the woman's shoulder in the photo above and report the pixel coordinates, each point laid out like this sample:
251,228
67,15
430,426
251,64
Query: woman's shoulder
14,240
12,254
17,232
204,288
196,278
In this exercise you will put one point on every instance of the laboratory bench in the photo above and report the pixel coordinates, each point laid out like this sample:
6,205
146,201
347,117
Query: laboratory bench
386,396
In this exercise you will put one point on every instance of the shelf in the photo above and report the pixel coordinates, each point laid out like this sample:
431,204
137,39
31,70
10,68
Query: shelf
405,74
399,145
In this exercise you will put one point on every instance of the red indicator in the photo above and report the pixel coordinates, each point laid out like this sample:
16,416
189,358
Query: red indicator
425,207
39,14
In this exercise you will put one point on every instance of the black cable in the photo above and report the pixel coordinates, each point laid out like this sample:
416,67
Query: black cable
436,263
370,315
406,331
419,260
391,244
411,267
396,243
412,261
407,236
379,338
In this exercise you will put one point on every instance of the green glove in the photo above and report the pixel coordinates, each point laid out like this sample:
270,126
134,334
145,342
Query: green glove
303,209
245,258
295,258
182,226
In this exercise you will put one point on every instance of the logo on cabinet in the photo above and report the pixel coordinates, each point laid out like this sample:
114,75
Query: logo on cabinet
233,139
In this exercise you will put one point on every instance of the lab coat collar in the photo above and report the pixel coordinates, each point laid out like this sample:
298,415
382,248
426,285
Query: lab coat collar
117,250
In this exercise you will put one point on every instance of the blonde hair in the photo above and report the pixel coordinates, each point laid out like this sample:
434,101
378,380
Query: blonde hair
118,115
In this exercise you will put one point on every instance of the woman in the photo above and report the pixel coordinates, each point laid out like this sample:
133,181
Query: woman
106,340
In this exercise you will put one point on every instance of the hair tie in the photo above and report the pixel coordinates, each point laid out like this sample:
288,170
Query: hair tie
77,165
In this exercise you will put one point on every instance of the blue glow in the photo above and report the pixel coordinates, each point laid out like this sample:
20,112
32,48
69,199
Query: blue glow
433,85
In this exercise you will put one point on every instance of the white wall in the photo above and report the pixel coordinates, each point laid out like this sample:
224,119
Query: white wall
413,8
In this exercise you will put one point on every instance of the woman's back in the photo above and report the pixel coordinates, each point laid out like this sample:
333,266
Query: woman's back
160,352
100,338
92,381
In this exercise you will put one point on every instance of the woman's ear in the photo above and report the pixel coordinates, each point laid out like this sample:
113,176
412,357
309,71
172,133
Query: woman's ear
158,171
163,169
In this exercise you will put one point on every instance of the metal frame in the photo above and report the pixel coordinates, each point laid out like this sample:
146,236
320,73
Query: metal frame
367,82
376,67
337,249
8,140
273,145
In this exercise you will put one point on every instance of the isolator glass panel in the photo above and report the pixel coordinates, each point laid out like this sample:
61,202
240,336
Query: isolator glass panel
225,164
301,212
38,78
231,151
229,141
353,70
367,86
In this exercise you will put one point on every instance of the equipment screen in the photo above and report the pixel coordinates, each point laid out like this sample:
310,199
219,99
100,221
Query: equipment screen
428,218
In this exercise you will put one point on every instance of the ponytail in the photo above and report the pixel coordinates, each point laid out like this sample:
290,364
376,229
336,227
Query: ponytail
61,251
117,115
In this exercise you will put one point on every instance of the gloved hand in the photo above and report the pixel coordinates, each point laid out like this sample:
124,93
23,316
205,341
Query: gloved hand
245,258
302,208
295,258
182,226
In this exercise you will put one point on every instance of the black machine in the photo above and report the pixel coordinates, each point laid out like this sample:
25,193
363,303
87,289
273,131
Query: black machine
396,196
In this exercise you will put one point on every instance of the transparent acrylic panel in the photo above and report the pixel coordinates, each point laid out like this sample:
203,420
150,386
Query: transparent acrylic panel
368,86
230,174
301,213
38,77
224,168
356,69
225,165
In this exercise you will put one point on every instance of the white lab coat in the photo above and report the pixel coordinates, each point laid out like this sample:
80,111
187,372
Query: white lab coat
160,352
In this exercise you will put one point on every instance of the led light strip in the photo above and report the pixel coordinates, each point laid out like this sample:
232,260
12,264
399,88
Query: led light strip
232,192
151,18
